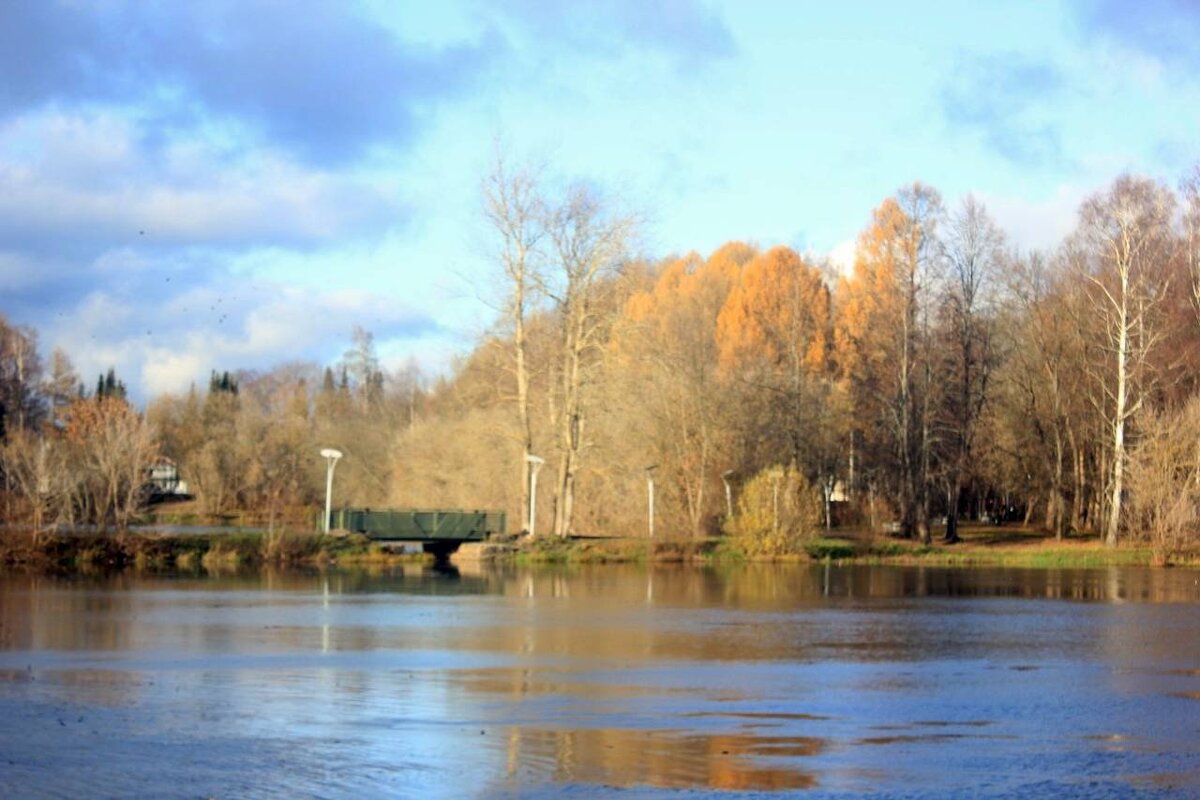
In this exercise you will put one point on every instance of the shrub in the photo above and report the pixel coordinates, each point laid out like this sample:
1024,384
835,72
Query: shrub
770,525
835,549
1164,482
291,547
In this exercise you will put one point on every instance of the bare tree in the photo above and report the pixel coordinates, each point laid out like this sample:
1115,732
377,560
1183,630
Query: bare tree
589,244
61,386
1164,474
113,446
34,473
362,364
20,373
1045,379
515,211
1190,189
973,249
1124,242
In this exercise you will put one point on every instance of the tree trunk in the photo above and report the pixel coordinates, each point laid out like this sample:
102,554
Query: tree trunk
952,497
1118,466
1058,501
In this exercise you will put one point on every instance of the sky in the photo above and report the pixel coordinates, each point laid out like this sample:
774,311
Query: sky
236,184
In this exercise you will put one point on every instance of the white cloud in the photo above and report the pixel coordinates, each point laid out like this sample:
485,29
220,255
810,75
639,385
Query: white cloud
90,176
841,256
165,370
1040,223
166,347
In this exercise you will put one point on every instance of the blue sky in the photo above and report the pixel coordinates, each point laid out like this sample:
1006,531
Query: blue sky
228,184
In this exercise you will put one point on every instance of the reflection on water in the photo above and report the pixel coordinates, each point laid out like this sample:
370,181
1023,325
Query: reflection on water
665,759
392,681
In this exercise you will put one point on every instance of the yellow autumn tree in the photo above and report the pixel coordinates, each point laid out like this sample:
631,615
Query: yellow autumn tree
774,343
666,354
882,342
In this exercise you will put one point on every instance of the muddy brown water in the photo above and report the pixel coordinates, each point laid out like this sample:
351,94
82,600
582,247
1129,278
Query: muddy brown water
817,681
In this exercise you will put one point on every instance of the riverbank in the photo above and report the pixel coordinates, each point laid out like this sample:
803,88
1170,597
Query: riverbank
980,546
191,551
1011,546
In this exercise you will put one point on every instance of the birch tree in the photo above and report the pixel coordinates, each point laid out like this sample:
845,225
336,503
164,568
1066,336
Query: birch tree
20,373
1190,191
516,214
1124,242
589,243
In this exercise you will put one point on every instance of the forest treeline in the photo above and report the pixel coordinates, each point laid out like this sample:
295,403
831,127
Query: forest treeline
765,394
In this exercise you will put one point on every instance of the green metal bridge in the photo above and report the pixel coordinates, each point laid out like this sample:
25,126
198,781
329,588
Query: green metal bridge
438,531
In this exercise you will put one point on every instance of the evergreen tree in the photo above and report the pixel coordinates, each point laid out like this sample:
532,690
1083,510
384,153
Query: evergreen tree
108,385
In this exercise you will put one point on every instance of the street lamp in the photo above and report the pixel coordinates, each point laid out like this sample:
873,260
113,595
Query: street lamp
535,463
725,476
331,457
776,476
650,489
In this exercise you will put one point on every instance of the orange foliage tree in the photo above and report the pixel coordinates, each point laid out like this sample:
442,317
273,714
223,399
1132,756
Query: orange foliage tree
774,339
883,348
665,348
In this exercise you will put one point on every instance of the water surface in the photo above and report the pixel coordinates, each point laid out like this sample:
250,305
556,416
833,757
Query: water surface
628,681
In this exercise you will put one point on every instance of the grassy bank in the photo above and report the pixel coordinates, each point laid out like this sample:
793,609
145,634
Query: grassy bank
216,551
998,546
596,550
1003,547
1011,546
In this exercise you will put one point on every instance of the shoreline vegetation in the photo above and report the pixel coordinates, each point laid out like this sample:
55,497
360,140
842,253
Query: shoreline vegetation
981,546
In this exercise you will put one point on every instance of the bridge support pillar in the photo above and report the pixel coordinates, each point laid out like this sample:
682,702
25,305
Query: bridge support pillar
441,550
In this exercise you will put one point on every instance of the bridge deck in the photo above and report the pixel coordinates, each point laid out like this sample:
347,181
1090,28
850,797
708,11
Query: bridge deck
417,525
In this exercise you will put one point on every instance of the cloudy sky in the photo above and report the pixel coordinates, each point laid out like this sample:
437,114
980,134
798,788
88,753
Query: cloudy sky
195,185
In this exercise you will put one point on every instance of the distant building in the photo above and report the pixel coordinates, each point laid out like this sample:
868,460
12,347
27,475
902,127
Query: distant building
162,480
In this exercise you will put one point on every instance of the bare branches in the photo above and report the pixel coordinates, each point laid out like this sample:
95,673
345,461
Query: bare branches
1126,242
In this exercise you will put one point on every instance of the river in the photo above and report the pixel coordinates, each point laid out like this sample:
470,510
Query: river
625,681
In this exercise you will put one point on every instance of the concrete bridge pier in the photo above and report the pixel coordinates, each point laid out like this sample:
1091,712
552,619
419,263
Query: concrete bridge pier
441,551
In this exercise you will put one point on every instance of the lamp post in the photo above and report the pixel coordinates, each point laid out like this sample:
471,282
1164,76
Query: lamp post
725,476
776,477
535,463
650,491
331,458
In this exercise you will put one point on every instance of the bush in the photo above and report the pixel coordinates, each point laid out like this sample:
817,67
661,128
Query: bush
292,547
755,525
1164,482
834,549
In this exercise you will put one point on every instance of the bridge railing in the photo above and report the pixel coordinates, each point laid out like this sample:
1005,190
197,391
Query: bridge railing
420,525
